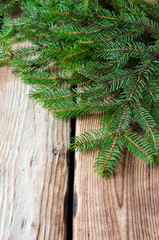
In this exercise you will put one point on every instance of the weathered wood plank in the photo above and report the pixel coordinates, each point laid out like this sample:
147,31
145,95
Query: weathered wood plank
124,207
33,166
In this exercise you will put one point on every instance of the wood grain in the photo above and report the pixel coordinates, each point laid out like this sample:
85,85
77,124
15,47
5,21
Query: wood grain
33,166
124,207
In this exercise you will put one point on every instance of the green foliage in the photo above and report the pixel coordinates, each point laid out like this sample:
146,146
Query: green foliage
109,53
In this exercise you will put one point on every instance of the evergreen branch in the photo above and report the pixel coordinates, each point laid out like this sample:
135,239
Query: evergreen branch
86,50
30,36
148,125
110,152
6,49
105,105
138,147
48,78
75,94
23,53
29,10
101,96
110,39
84,22
15,24
84,144
121,121
128,50
48,88
105,17
54,50
121,78
92,75
154,100
90,32
81,108
148,7
3,36
54,98
40,27
143,23
124,55
113,159
83,15
112,119
35,64
94,6
139,78
133,90
114,141
69,109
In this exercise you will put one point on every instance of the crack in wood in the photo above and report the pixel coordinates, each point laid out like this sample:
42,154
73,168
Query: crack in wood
70,204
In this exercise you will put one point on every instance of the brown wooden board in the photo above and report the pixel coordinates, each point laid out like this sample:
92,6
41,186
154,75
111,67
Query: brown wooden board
33,166
124,207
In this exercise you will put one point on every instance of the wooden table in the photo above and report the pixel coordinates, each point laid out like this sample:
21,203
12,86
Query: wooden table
34,186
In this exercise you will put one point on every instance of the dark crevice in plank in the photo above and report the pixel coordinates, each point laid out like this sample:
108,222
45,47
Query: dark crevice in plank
71,163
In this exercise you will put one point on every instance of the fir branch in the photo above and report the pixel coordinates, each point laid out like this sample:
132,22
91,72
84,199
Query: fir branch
133,12
110,152
105,17
90,32
29,10
94,6
35,64
110,39
10,53
15,24
138,146
30,37
148,125
78,53
154,100
84,144
7,33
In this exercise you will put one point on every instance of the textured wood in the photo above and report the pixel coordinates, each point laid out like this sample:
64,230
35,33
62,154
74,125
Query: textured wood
33,166
124,207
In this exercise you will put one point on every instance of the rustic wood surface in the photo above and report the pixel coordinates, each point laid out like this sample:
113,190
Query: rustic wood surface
33,166
34,178
124,207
